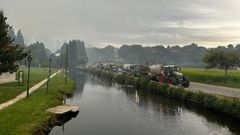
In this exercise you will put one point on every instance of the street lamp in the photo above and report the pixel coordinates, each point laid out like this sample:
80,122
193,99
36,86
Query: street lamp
29,59
49,72
66,64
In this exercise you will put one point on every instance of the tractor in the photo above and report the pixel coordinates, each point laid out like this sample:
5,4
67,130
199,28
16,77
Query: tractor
170,74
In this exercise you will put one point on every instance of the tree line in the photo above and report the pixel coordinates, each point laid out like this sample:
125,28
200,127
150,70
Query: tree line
187,56
13,51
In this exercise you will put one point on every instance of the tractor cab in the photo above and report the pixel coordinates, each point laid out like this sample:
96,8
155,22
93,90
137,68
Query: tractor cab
171,70
171,74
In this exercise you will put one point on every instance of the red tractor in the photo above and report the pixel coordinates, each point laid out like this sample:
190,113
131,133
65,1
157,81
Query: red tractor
170,74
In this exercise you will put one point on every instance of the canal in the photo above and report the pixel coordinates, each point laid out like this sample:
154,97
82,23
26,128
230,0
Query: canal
110,109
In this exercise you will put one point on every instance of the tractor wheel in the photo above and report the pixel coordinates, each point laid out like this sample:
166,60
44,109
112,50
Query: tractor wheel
172,81
186,82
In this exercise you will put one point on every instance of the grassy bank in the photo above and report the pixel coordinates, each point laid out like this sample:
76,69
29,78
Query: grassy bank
11,90
29,115
223,105
214,76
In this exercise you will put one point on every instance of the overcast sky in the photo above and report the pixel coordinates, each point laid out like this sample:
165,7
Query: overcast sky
148,22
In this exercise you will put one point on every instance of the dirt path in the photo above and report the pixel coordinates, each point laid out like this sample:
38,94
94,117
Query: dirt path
219,90
23,94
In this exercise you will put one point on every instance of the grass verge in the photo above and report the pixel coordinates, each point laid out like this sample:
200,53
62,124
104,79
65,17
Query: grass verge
11,90
213,76
29,116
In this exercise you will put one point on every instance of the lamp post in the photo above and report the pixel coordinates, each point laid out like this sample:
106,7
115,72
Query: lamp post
66,64
157,55
57,64
49,72
29,59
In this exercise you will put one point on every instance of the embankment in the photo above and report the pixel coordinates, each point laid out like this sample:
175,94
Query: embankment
228,106
29,116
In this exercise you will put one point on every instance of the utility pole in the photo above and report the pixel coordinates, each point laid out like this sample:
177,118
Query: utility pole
57,64
49,73
157,55
66,64
29,59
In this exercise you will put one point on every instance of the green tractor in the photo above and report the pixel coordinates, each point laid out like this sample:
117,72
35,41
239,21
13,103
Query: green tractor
170,74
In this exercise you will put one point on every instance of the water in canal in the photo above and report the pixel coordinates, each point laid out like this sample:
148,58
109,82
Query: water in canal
109,109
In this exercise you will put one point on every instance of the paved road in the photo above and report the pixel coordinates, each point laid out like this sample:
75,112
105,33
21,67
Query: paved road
219,90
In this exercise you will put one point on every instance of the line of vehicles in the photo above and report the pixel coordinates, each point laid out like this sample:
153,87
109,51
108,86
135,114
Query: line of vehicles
169,74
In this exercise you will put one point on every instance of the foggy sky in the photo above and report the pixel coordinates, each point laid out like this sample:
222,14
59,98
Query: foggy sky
148,22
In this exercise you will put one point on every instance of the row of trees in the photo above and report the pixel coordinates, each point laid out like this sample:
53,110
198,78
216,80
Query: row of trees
163,55
76,54
186,56
137,54
40,54
17,38
105,54
13,50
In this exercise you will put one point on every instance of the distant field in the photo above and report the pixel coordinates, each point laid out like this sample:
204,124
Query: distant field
213,76
11,90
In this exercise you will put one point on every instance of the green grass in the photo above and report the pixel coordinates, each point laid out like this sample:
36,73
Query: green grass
29,116
11,90
213,76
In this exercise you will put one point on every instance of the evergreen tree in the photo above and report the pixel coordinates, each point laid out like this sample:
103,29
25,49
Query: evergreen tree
76,54
12,34
20,39
8,54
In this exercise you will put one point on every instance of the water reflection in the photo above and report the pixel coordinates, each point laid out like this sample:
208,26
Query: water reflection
107,108
169,107
80,78
136,96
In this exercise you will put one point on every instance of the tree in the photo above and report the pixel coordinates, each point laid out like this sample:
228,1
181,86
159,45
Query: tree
39,54
216,58
20,39
76,54
8,54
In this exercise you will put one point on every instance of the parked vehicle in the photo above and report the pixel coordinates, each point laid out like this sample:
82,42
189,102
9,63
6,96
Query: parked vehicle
170,74
136,70
164,73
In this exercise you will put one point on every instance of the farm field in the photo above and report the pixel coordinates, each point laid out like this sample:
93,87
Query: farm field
213,76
